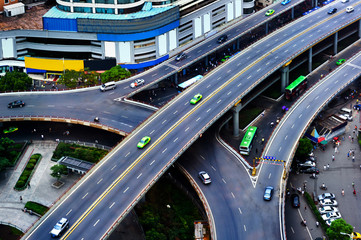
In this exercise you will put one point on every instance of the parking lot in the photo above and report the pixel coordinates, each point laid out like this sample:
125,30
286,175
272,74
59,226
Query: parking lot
340,175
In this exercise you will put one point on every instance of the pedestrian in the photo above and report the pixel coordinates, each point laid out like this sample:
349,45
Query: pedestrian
333,157
262,141
21,199
42,137
305,208
272,124
34,131
343,138
353,184
353,158
351,139
354,192
328,166
303,192
324,167
317,224
29,185
343,192
348,154
336,150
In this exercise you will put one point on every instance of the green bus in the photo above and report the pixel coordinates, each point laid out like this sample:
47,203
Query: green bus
246,144
296,87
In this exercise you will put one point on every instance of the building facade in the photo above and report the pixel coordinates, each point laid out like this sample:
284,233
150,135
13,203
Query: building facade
136,33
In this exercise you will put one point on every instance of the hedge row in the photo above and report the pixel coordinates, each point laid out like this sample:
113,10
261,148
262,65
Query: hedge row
315,211
36,207
25,176
90,154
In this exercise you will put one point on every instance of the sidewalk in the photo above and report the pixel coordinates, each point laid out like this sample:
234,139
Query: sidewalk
40,190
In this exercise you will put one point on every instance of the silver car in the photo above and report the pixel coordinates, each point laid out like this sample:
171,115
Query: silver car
328,202
327,209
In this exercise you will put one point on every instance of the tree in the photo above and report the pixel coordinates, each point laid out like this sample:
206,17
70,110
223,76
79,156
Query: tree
58,170
15,81
304,148
114,74
337,227
70,78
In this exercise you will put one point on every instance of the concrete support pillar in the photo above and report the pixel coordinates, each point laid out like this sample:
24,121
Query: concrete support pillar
176,79
206,61
236,110
310,60
266,28
293,13
285,77
335,43
235,123
359,28
238,40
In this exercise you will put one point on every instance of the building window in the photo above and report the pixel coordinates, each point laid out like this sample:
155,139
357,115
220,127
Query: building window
105,10
105,1
6,1
83,9
64,8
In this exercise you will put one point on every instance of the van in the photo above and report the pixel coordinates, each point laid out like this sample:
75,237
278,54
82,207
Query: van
107,86
347,111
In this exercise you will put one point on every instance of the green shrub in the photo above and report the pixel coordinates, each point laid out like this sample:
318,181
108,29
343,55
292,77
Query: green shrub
26,172
315,211
36,156
89,154
30,166
20,184
33,161
23,178
36,207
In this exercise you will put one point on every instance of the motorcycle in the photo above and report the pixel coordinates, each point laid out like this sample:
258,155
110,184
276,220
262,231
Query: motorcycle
96,119
323,187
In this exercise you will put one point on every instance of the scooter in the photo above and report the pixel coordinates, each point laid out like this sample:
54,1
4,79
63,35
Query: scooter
96,119
323,187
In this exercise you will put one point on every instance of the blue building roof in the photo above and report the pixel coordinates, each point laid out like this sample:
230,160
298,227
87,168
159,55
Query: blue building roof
147,11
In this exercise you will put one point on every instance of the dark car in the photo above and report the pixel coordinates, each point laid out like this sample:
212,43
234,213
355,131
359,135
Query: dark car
310,170
295,200
17,103
332,11
222,39
181,56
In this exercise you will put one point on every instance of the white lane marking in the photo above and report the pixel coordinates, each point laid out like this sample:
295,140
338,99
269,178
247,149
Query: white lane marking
294,45
166,68
245,229
185,103
233,195
106,112
292,126
126,155
175,140
286,50
258,51
84,195
164,121
100,181
276,40
347,74
279,150
208,110
219,78
154,74
268,45
68,212
123,116
336,81
229,93
208,85
269,176
202,157
276,57
152,162
112,205
248,57
111,93
187,129
113,167
300,115
209,45
267,63
175,112
240,211
164,150
224,181
219,101
317,97
200,50
311,35
286,137
198,119
96,223
259,69
238,64
249,76
293,231
213,168
152,132
326,89
139,175
126,190
239,84
229,71
302,40
308,106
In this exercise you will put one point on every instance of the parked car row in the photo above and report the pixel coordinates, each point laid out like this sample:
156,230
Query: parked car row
328,209
308,166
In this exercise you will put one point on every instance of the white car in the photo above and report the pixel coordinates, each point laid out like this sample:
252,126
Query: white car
344,1
307,164
327,209
137,83
326,196
59,227
329,221
334,215
349,9
206,179
328,202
